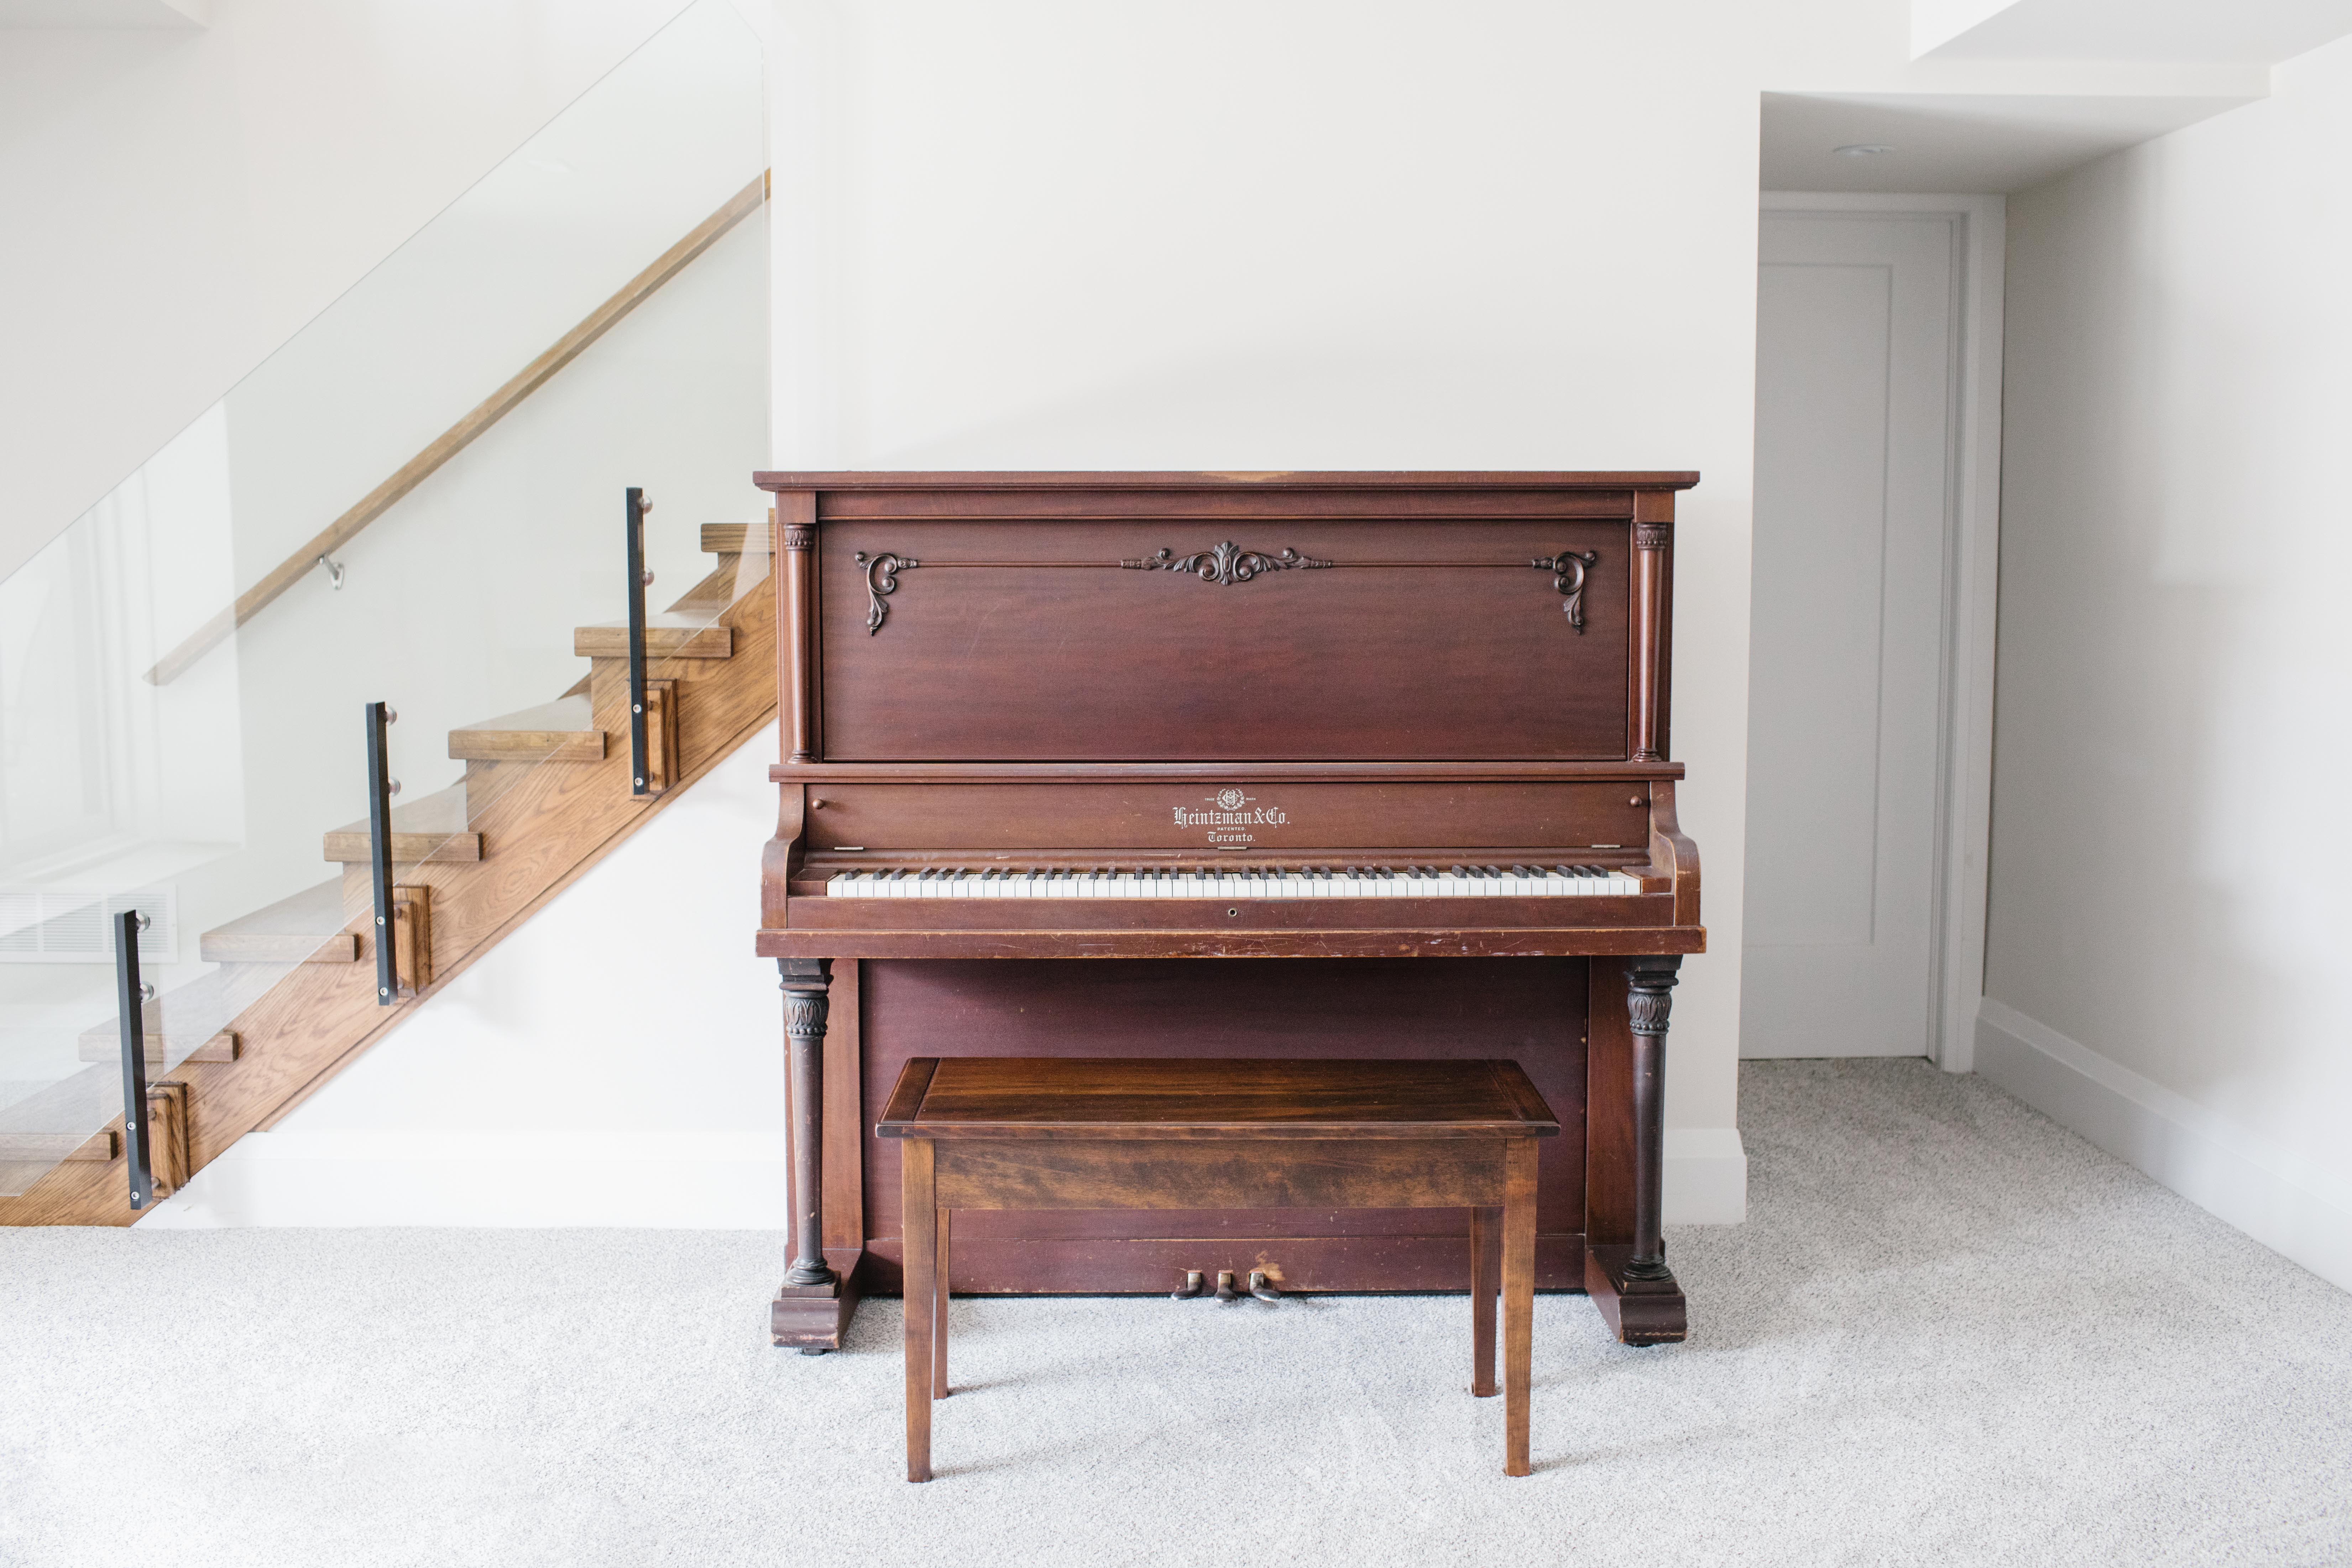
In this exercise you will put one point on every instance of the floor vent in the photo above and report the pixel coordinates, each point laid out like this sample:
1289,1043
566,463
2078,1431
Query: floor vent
48,926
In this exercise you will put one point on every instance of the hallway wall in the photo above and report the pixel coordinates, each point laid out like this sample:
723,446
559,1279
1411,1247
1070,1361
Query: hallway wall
2171,877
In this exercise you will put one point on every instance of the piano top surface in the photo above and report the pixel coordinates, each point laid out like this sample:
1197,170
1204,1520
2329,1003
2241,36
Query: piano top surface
1210,480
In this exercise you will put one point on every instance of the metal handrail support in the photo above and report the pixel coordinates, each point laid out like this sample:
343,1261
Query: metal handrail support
640,773
131,1001
387,971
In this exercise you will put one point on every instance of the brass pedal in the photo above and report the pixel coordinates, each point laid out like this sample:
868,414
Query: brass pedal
1193,1285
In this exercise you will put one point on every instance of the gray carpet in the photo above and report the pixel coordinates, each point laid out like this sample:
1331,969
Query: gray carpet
1950,1333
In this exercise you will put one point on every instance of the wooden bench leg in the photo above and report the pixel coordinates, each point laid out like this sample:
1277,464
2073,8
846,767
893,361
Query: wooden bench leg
1485,1240
1518,1300
940,1314
921,1266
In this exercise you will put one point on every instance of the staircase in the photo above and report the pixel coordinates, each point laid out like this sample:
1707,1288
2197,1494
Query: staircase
546,794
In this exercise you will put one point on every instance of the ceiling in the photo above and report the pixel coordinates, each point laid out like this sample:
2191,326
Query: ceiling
104,13
2213,32
1944,143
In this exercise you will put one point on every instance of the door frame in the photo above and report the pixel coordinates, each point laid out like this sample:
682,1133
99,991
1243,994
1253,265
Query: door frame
1971,593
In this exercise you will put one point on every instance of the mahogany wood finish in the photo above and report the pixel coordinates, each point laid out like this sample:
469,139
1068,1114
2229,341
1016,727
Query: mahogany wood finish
1072,670
1021,1133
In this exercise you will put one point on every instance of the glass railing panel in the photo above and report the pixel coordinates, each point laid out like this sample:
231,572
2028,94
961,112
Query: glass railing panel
182,686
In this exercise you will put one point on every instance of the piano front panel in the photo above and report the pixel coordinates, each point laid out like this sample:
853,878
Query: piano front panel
1024,640
1529,1010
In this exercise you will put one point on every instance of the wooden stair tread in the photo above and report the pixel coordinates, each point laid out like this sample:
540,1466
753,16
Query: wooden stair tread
308,928
221,1045
350,847
48,1148
190,1040
563,731
735,537
667,636
430,827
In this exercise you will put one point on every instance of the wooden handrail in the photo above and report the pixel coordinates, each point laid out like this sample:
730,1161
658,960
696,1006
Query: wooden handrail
461,435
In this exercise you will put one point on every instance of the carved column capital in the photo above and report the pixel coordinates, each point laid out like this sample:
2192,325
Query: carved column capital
1649,984
1653,535
804,1013
800,536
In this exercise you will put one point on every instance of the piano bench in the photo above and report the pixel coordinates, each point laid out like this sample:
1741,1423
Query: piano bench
1030,1133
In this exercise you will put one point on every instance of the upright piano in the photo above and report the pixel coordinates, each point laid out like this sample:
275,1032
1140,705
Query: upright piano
1227,766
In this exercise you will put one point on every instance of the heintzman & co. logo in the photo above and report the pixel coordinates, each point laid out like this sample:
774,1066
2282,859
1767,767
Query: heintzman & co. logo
1230,812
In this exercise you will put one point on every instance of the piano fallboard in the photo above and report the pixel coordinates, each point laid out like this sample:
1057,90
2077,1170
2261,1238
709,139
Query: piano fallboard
1145,817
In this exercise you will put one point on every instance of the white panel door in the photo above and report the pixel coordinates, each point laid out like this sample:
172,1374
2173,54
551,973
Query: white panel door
1856,328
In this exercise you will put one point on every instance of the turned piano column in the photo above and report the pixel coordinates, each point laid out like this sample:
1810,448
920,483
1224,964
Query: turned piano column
1649,997
797,675
806,982
1625,1267
813,1306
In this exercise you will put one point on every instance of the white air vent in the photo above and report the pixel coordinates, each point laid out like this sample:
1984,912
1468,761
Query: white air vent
48,926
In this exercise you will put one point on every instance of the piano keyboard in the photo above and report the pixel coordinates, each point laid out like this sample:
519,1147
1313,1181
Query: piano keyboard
1245,882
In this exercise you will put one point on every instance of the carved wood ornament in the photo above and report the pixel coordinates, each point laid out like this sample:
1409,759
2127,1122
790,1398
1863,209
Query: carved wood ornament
1225,564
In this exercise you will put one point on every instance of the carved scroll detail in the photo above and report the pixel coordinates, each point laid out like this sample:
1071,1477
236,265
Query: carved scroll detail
1569,566
882,580
1227,563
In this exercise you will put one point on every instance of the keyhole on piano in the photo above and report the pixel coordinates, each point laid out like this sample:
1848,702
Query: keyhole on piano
1232,912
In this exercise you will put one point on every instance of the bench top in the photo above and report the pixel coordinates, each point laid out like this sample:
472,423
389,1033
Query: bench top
1127,1097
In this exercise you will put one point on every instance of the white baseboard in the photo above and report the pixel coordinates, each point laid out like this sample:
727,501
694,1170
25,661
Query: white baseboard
1706,1176
678,1181
2282,1201
663,1179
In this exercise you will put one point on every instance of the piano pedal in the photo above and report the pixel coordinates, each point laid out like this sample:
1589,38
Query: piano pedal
1264,1289
1225,1292
1191,1286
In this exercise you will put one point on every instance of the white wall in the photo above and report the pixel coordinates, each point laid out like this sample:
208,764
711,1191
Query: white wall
1330,234
1055,233
178,201
1316,236
2170,921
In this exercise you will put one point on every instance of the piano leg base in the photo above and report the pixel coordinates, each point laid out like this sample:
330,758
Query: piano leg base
1638,1312
814,1318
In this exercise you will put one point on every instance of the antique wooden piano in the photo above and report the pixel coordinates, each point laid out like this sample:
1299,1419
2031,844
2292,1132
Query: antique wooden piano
1228,766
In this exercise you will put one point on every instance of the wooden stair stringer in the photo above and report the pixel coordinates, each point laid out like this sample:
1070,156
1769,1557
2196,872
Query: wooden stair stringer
545,831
